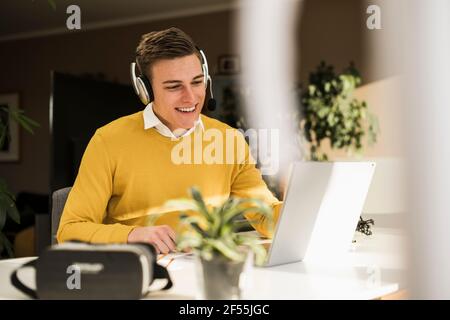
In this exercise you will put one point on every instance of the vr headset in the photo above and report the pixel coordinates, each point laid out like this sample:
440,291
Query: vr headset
77,270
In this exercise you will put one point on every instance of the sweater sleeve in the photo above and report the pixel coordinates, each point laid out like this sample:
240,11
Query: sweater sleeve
248,183
85,209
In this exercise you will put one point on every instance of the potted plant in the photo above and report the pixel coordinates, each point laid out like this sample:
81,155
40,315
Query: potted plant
213,235
7,199
329,112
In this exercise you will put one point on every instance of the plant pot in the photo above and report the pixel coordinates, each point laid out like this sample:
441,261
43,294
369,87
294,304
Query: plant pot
221,278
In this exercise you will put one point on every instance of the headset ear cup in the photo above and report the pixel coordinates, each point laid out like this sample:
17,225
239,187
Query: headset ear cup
143,93
149,88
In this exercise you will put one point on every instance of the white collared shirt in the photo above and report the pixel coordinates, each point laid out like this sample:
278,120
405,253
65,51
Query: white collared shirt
152,121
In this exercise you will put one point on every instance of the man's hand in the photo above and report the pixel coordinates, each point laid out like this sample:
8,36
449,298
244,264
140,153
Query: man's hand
161,237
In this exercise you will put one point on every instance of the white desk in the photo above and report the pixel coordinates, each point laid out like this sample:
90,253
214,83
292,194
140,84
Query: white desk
374,268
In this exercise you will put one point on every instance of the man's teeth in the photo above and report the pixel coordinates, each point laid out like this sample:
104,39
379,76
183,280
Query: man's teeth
186,109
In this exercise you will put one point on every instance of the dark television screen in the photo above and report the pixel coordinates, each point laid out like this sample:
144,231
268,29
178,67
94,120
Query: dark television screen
79,106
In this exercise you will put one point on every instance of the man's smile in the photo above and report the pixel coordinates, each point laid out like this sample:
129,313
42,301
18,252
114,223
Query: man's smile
187,109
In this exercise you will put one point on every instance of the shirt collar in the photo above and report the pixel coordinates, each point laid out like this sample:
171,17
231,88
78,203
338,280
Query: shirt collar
152,121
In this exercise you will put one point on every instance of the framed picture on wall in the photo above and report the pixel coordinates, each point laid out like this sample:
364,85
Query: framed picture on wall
9,129
229,64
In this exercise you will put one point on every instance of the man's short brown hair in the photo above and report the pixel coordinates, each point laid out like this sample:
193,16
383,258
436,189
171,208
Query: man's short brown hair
165,44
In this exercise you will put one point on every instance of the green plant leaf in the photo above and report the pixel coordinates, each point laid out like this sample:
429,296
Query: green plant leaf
3,216
27,123
217,222
323,112
52,4
258,249
4,189
182,205
3,135
239,225
257,206
27,126
192,219
6,245
189,240
199,230
196,195
14,213
230,253
7,204
206,252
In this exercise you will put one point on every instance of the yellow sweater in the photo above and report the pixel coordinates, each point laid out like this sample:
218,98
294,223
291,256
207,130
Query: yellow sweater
128,173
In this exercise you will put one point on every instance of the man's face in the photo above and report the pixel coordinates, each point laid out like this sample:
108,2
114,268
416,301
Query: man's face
179,91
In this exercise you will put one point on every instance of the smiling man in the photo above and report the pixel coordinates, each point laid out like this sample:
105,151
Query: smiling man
127,173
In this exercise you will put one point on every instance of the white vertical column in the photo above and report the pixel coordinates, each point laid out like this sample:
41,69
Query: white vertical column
427,98
268,46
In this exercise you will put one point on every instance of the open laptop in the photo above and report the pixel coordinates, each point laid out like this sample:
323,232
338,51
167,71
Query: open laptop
320,212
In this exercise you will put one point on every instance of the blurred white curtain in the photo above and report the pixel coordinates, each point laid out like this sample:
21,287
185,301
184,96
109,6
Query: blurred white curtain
268,45
427,110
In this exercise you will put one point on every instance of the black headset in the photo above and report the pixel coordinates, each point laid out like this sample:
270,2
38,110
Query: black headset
143,88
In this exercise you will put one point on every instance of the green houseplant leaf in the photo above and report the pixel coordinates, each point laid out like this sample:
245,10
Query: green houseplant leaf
331,113
213,231
7,200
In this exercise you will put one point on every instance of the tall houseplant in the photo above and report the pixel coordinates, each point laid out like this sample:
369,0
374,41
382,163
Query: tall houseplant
213,236
329,112
7,200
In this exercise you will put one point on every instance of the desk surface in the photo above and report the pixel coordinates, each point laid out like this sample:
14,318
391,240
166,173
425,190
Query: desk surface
372,269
